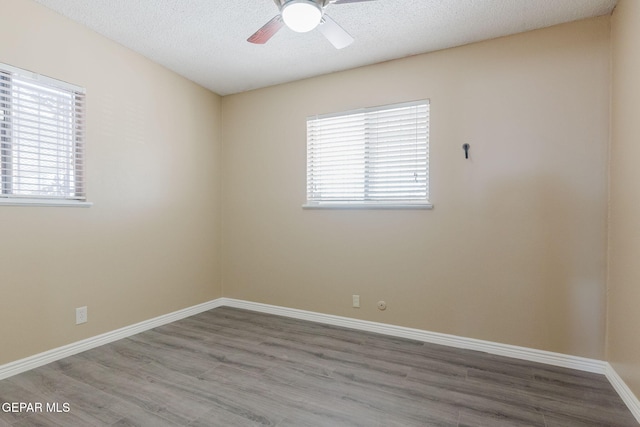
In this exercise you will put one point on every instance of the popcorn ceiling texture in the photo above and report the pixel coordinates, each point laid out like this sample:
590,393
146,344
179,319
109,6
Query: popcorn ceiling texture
205,40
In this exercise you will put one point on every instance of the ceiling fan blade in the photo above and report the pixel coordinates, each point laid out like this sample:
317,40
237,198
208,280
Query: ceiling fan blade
334,33
267,31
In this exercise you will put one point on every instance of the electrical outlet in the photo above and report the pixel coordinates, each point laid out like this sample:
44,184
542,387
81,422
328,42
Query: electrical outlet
356,301
81,315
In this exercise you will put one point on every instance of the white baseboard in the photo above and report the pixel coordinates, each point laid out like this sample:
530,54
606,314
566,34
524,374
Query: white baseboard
624,391
523,353
28,363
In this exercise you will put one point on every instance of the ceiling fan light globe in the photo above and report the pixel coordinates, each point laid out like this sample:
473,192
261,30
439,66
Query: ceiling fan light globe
301,15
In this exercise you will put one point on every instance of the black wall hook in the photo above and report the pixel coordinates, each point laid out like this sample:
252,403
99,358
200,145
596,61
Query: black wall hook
466,147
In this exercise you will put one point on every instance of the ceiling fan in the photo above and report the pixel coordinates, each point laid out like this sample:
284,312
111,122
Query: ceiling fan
303,16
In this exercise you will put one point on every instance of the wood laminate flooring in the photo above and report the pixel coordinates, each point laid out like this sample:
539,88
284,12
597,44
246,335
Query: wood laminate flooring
230,367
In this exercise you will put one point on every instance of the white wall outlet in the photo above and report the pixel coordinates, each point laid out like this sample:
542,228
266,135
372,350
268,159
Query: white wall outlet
356,301
382,305
81,315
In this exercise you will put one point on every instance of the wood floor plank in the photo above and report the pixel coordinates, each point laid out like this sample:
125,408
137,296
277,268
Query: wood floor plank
12,392
232,367
91,404
471,418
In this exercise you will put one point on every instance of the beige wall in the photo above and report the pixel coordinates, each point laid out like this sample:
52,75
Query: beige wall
514,250
623,336
151,243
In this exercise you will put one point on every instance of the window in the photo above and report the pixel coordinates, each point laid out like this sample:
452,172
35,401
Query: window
374,157
41,140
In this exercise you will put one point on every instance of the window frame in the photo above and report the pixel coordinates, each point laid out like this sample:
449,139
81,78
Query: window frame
35,85
364,202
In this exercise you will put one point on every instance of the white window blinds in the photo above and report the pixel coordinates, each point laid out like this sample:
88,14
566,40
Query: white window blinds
41,137
372,156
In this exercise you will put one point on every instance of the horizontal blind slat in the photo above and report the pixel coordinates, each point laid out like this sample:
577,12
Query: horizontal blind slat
41,136
373,154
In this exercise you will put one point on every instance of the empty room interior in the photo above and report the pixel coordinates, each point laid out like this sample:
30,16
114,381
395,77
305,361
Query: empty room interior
202,278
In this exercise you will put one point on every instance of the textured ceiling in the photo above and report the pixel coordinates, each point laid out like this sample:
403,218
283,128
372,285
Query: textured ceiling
205,40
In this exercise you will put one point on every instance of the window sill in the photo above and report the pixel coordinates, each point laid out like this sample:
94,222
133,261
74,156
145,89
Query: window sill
44,202
358,205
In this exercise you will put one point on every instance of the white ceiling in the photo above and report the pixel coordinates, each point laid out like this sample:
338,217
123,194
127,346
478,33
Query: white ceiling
205,40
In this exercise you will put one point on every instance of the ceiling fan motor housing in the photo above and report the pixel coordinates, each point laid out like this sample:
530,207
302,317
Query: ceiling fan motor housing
301,15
